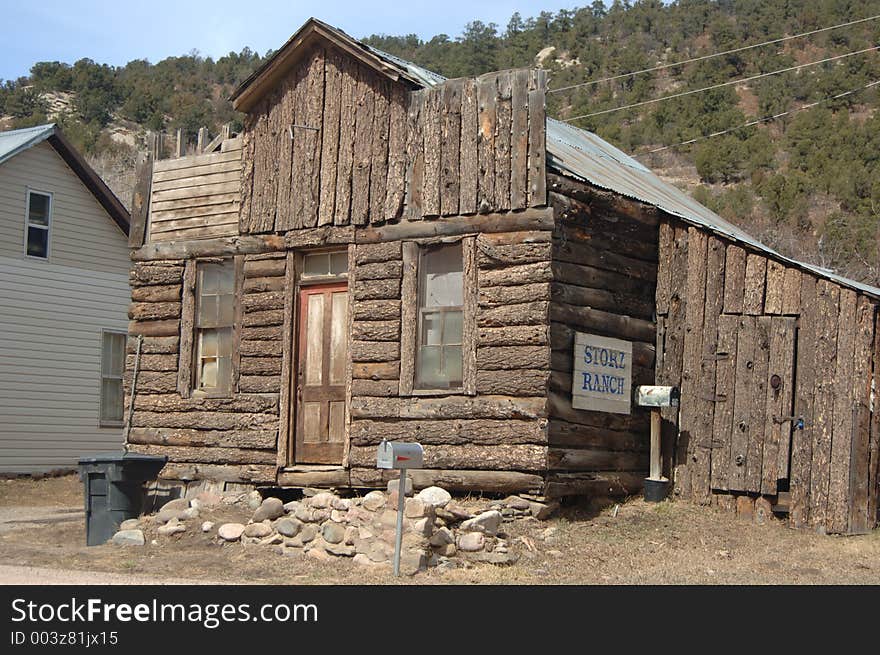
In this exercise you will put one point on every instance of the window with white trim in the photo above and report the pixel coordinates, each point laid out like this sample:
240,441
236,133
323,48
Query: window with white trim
38,220
112,366
214,321
441,300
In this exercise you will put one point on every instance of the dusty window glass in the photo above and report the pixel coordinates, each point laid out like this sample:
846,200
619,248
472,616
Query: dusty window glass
112,366
215,316
39,208
324,264
441,291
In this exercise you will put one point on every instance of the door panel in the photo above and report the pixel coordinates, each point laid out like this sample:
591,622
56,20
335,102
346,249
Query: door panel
338,337
321,374
755,379
314,341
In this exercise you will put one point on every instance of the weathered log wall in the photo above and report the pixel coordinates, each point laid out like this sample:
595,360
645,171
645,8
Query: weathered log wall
757,345
510,424
233,439
603,274
336,143
498,426
493,432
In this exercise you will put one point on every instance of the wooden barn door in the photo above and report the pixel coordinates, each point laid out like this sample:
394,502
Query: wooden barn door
320,375
754,395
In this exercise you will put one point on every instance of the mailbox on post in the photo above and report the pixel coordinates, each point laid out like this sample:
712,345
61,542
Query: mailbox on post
655,397
400,456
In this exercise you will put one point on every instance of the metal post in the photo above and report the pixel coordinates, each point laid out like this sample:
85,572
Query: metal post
398,538
656,473
134,378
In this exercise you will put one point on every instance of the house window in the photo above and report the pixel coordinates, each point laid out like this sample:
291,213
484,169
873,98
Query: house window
439,335
215,316
39,212
325,264
112,365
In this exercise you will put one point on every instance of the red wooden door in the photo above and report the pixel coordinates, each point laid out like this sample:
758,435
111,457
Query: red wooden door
321,374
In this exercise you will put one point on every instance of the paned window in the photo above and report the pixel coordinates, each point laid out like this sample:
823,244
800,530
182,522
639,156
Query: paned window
112,365
214,320
39,211
439,340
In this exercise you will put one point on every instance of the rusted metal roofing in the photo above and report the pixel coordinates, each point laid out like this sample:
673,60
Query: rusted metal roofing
584,156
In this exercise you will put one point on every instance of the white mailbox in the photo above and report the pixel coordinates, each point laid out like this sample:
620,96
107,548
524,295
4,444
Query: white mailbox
399,455
657,396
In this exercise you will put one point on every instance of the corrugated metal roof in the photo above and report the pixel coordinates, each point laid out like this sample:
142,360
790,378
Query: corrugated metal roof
14,141
585,156
423,75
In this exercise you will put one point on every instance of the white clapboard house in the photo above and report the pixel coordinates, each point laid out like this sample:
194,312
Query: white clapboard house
63,304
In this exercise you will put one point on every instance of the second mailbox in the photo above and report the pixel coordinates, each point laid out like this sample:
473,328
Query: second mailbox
657,396
399,455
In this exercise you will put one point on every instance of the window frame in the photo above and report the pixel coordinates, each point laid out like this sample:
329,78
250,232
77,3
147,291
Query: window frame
199,332
102,422
29,191
309,280
411,312
188,366
443,310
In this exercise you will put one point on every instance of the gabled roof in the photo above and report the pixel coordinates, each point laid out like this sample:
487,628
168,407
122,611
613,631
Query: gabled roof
14,142
570,150
273,69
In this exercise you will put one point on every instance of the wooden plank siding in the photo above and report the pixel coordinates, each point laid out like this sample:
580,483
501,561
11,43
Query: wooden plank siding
701,464
337,144
779,405
195,197
807,369
670,351
695,302
828,300
776,386
845,416
725,397
859,487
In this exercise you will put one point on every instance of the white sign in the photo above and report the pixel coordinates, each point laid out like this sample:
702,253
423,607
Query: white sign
602,377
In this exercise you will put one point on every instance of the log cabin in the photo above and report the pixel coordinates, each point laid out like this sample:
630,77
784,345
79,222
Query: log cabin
383,253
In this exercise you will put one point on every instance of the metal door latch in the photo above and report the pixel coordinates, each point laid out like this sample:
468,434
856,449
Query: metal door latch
797,421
